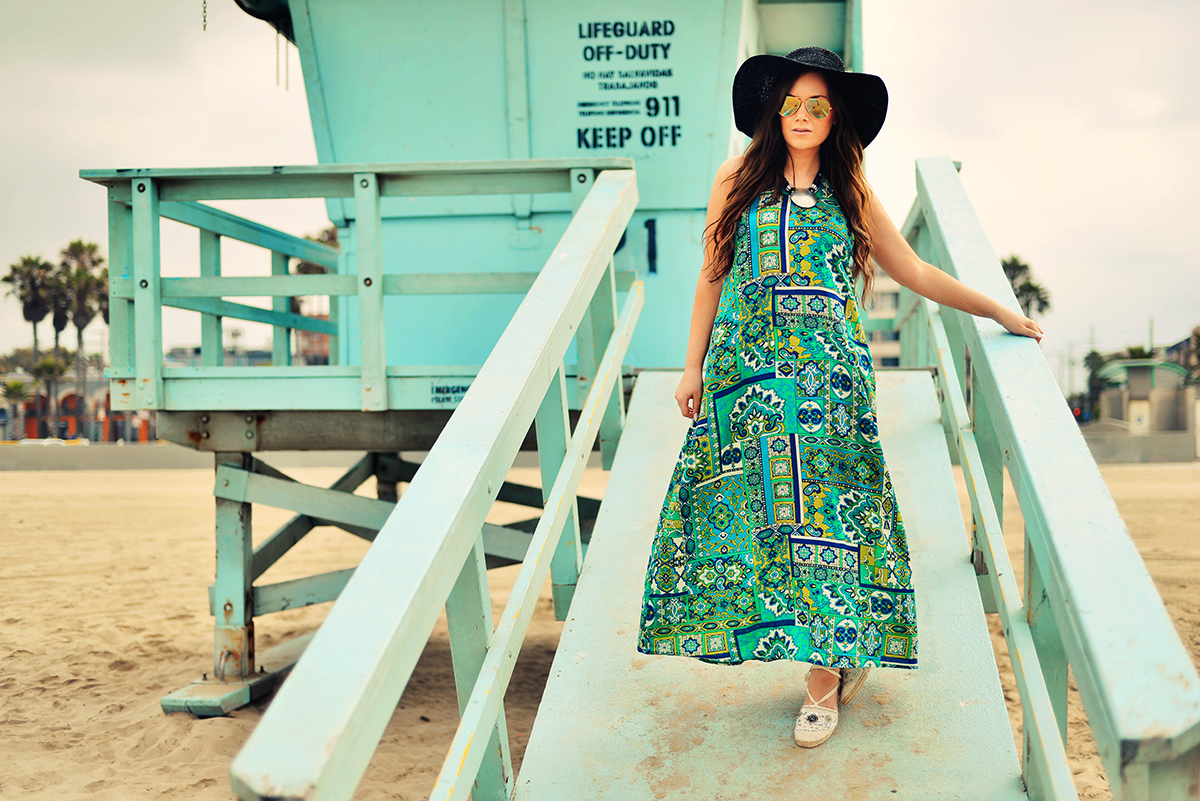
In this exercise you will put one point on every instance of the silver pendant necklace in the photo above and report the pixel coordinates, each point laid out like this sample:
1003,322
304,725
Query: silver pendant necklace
804,198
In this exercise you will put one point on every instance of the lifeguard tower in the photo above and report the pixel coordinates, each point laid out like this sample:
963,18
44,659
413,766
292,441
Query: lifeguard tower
519,189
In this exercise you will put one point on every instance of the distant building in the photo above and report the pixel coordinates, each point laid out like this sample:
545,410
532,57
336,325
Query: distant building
1148,413
885,345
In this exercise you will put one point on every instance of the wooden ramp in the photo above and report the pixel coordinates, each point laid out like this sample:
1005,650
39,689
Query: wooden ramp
616,724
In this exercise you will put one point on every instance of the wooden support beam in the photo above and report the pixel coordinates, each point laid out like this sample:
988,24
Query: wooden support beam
300,592
233,631
368,235
212,342
554,435
341,507
469,620
147,294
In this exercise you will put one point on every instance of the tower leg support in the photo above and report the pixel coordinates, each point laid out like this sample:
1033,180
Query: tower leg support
237,677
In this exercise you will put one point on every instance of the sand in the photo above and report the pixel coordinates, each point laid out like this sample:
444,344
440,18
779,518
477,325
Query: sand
103,594
1160,504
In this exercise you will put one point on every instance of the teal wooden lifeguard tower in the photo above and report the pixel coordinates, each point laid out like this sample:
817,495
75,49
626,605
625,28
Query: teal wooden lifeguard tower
519,187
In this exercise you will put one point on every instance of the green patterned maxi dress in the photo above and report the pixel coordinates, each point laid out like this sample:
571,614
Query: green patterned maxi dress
779,537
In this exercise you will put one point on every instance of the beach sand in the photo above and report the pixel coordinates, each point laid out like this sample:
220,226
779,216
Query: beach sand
103,587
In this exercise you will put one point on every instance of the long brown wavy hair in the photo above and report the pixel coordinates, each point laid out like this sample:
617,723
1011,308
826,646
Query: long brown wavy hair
841,157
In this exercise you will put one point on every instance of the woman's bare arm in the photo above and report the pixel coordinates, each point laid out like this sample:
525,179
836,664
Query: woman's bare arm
898,260
704,307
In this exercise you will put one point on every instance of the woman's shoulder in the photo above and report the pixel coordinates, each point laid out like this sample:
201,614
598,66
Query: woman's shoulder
729,167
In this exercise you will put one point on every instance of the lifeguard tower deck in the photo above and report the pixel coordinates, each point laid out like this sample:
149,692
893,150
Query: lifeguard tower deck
534,298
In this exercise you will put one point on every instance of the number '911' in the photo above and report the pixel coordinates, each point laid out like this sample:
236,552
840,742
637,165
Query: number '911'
668,107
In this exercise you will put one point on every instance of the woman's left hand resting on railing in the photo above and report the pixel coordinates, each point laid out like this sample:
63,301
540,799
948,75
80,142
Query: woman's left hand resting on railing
893,253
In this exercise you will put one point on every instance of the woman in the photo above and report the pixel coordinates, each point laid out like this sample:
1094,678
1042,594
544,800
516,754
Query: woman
779,537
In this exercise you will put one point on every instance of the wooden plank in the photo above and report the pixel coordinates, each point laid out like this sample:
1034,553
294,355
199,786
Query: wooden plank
147,304
1140,690
516,87
553,438
505,541
281,335
347,170
665,723
300,592
602,314
120,309
475,283
342,507
256,286
231,226
214,308
371,321
282,539
233,630
212,342
519,176
212,698
318,735
486,701
469,621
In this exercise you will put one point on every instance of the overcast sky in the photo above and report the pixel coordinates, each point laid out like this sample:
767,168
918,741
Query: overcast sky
1077,124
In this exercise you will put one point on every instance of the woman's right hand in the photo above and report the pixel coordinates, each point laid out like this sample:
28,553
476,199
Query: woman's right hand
691,387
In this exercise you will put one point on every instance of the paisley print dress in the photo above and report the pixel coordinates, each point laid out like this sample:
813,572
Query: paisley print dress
779,537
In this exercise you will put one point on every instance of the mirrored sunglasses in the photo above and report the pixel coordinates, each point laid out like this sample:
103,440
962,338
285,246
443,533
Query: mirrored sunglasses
818,107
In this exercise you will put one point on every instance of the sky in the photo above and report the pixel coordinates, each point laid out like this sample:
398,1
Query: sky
1077,124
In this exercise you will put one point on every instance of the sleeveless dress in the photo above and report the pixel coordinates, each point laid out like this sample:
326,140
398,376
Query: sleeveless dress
779,536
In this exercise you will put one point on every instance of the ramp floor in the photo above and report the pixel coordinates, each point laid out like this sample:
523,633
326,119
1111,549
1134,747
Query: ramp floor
616,724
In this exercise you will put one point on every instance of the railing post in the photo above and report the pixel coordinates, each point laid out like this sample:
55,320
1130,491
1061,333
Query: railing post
281,336
1052,656
603,316
120,310
212,345
992,457
553,435
147,295
233,595
581,184
469,619
368,240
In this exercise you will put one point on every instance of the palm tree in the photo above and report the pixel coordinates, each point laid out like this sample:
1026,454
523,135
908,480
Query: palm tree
28,278
58,297
1032,296
81,262
48,372
15,394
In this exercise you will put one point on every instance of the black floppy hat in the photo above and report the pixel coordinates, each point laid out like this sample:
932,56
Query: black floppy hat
864,94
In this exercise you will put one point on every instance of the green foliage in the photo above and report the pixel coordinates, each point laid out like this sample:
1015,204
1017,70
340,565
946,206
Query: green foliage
21,360
1138,352
29,278
1032,296
49,370
15,392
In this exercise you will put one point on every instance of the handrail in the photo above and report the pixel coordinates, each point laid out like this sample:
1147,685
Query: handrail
318,735
516,176
140,198
1089,601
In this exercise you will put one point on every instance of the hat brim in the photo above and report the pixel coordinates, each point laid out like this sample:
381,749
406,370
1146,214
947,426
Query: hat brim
865,94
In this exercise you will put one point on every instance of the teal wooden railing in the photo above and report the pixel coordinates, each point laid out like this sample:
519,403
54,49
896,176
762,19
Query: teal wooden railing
139,198
1087,600
318,735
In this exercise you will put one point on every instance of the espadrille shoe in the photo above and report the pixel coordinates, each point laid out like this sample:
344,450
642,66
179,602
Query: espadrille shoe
852,681
815,723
